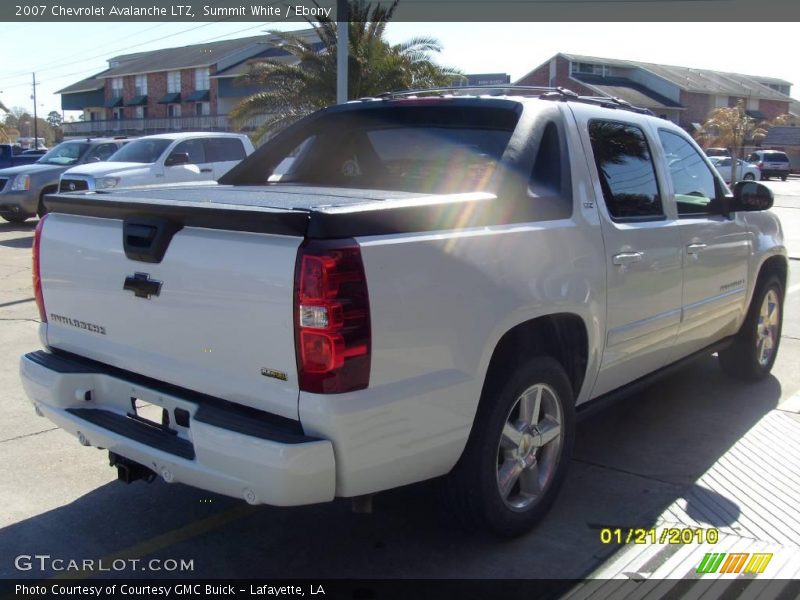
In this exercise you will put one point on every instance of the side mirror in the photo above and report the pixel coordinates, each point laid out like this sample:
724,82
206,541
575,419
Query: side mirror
177,158
751,196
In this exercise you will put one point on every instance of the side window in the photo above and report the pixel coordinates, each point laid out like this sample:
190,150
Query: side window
545,185
102,152
224,149
195,150
626,171
692,179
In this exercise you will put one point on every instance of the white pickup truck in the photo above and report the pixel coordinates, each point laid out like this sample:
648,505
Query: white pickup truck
429,290
159,159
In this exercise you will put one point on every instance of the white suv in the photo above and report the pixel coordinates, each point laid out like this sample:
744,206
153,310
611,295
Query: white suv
163,158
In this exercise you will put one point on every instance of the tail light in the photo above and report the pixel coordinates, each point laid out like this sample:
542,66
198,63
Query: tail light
332,320
760,165
37,276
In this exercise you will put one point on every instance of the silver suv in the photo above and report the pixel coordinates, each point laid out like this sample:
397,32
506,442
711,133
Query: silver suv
772,163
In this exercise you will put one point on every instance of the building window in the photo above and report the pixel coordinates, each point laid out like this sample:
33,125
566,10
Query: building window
201,79
116,87
141,85
173,110
202,109
588,68
117,113
173,82
141,112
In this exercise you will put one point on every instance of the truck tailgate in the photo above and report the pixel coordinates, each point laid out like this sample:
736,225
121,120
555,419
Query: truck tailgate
220,322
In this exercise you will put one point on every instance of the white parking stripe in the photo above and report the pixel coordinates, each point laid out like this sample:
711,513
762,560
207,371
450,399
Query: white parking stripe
793,289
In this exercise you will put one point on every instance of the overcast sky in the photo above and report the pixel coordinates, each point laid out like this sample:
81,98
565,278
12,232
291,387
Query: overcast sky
62,54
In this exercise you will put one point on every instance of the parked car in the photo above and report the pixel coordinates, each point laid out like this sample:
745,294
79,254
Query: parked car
12,155
23,188
744,171
771,163
430,289
163,158
717,152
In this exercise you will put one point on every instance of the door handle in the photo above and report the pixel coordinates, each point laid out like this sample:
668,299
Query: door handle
694,248
206,170
626,258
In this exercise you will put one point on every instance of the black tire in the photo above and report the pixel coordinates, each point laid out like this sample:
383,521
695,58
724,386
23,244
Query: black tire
472,490
784,177
744,358
16,219
41,210
749,177
764,178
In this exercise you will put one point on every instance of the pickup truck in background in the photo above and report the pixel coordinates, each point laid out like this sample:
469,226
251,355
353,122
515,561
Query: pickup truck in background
164,158
429,288
12,155
23,188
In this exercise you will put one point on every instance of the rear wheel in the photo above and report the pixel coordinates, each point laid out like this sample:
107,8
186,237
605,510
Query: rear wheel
784,177
749,177
753,353
518,452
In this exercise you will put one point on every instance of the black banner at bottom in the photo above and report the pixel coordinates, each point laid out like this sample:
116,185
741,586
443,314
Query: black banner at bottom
386,589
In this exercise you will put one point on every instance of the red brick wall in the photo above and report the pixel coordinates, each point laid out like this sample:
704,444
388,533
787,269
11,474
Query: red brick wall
212,94
697,108
156,88
187,87
773,108
541,76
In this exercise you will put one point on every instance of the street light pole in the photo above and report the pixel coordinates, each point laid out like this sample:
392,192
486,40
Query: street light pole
35,124
342,47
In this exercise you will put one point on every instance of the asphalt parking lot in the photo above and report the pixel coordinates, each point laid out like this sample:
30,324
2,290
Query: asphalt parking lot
632,462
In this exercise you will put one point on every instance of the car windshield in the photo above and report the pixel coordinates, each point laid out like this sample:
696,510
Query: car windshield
141,151
66,153
426,149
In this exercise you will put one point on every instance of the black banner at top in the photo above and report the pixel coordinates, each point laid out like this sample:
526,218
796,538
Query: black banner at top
408,10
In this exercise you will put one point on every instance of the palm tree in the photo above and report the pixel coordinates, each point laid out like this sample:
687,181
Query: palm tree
308,82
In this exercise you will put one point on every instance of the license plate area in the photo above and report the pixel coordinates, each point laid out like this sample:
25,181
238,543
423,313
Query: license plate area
151,415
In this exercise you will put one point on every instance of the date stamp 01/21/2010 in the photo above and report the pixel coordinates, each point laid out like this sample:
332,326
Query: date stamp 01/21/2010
666,535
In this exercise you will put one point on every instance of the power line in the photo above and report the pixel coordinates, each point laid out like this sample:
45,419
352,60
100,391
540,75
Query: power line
86,71
107,52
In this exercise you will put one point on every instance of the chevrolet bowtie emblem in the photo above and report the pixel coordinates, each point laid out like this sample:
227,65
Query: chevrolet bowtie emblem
141,285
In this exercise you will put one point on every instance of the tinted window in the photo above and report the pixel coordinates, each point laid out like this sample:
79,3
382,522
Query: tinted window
194,148
692,180
141,151
546,184
626,171
427,149
775,157
224,149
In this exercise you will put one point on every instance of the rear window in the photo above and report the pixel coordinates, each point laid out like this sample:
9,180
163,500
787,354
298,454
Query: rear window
224,149
426,149
775,157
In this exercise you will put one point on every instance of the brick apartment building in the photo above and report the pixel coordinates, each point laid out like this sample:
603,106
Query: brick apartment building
173,89
681,94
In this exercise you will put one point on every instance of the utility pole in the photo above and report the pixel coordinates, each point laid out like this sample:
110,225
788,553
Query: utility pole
342,49
35,124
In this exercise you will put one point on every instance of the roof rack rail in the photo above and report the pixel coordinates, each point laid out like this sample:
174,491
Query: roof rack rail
545,93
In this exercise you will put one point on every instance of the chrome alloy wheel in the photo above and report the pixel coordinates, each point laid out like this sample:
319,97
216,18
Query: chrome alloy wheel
529,447
767,328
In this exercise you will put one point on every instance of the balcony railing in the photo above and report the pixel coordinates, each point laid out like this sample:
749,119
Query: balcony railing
150,126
